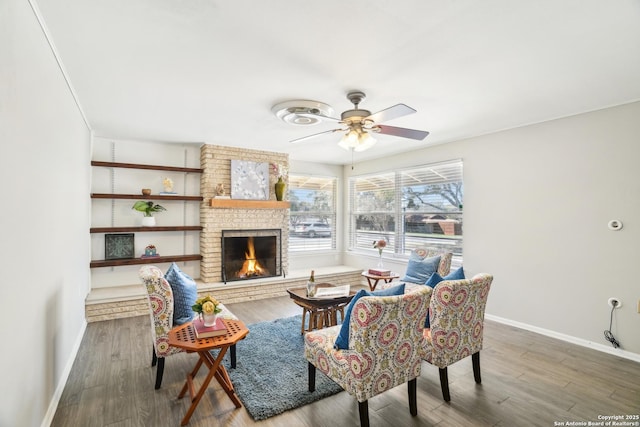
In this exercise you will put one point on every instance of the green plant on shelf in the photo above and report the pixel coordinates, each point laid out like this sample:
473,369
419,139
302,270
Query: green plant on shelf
147,208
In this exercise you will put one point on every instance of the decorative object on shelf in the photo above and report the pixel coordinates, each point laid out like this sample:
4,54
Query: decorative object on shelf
220,192
148,208
146,191
281,172
208,308
380,245
167,183
249,180
148,221
150,252
118,246
279,188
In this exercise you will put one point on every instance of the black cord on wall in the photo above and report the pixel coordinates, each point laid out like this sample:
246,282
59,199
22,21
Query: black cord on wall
608,335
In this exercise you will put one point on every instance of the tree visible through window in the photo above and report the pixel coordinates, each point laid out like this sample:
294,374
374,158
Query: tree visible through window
414,207
313,213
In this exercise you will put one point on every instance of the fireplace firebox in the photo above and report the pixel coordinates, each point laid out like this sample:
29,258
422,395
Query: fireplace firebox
251,254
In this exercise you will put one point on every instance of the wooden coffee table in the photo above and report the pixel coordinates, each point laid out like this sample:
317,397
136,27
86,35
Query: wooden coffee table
184,336
323,312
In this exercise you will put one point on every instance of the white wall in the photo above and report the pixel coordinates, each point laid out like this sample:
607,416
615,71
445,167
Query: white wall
536,207
45,221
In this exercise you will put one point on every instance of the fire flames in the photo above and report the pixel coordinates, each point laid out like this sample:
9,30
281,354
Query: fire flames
251,267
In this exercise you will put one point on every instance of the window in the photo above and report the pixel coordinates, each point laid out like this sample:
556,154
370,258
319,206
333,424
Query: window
409,208
313,213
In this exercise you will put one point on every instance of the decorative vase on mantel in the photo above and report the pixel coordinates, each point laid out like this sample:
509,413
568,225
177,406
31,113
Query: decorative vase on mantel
279,187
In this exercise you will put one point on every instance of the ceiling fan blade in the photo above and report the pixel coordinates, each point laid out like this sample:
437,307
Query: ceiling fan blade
304,138
403,132
315,116
391,113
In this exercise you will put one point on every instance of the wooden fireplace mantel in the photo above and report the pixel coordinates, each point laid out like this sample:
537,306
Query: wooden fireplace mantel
249,204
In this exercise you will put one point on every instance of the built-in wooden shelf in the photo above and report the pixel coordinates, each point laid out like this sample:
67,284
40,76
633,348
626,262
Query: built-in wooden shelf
142,229
150,260
151,167
141,197
249,204
136,261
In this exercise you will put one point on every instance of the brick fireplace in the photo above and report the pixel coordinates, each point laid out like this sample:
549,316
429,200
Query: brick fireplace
216,164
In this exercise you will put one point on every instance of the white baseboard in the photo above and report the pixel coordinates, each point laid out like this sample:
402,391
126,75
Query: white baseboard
568,338
55,399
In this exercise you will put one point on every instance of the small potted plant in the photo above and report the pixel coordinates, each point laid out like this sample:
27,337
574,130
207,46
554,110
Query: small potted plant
207,308
148,208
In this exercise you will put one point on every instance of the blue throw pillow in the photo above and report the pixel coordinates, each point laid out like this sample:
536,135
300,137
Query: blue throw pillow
185,293
420,270
436,278
342,341
455,275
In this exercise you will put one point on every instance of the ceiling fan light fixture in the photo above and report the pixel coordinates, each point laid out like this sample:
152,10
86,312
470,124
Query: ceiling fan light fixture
349,140
357,140
358,124
365,141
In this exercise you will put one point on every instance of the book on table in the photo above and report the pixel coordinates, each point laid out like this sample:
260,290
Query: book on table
332,292
379,272
202,331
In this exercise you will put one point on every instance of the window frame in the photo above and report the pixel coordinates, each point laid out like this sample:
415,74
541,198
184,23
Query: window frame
328,216
399,241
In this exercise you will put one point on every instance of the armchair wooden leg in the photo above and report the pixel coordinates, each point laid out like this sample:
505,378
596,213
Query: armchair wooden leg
475,358
154,358
232,356
444,384
312,377
363,408
159,371
413,396
304,316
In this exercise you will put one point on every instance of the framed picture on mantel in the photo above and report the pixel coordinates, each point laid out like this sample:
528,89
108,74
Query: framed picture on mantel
118,246
249,180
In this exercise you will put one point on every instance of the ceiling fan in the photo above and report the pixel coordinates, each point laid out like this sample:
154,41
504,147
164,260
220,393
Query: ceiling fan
360,124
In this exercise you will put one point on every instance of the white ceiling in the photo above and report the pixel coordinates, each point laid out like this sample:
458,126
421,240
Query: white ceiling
210,70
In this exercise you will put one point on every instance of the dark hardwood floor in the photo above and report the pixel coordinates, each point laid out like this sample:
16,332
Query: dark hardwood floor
527,380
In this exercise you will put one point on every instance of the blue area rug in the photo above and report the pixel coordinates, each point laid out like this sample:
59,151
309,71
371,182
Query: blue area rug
271,375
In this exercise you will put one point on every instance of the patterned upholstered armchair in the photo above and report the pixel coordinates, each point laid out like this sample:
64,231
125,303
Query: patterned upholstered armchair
456,313
385,343
160,298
